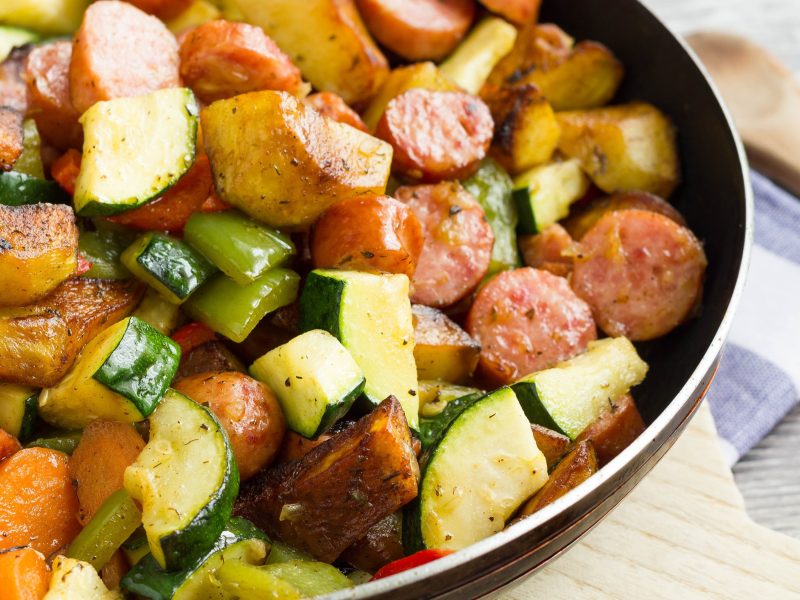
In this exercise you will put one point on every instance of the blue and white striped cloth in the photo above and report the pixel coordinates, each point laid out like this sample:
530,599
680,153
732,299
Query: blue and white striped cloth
759,376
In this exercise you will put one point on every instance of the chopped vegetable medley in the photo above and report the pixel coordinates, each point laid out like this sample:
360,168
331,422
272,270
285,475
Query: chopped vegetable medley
280,315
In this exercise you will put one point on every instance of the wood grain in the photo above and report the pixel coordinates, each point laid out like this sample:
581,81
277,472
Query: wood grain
682,533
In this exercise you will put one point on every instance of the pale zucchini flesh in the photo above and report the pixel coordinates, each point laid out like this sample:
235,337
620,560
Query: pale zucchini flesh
74,579
315,379
18,409
544,194
573,394
485,466
183,513
135,149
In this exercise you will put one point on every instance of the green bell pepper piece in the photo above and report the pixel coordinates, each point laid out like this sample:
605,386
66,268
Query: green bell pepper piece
247,582
103,250
30,161
242,248
282,581
65,442
491,186
234,310
113,523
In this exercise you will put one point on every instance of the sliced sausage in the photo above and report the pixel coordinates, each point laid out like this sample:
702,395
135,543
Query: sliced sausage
120,51
551,250
418,30
248,411
368,233
641,272
615,429
12,79
527,320
458,242
520,12
334,107
47,79
11,137
164,9
436,135
221,59
581,222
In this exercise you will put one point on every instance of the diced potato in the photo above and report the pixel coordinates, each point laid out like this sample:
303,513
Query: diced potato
571,76
615,429
442,350
327,40
48,16
38,250
573,470
284,164
333,495
525,128
199,12
471,63
623,148
553,445
425,75
39,343
382,545
520,12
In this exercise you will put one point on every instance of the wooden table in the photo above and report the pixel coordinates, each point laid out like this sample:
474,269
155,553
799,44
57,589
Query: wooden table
768,476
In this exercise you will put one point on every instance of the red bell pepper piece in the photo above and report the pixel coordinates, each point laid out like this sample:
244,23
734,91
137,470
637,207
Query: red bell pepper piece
192,335
409,562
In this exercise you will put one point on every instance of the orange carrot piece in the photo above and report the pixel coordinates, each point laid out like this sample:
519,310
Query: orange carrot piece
99,462
23,575
65,170
8,444
38,503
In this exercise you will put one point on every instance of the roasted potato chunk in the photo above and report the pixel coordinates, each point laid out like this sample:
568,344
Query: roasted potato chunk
10,137
211,356
571,76
329,499
615,429
425,75
382,544
39,343
552,444
283,163
623,148
573,470
525,128
442,349
38,250
328,41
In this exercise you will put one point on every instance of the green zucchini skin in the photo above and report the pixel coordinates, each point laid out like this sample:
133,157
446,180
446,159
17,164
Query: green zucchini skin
432,429
532,406
31,411
149,580
19,407
527,220
320,304
17,189
142,366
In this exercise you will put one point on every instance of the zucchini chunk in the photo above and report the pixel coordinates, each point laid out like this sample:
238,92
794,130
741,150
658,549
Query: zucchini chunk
442,350
104,249
19,406
573,394
242,248
240,543
329,498
234,310
286,580
72,579
39,342
18,189
432,428
172,268
434,396
472,61
371,315
121,375
38,250
315,379
158,312
485,466
13,37
544,194
311,162
134,149
183,513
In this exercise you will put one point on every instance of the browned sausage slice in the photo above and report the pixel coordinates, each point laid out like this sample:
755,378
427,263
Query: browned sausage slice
47,78
11,137
418,30
221,59
458,242
120,51
520,12
641,273
163,9
527,320
436,135
551,250
334,107
12,79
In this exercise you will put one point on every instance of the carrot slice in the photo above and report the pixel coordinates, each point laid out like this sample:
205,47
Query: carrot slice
8,444
65,170
38,503
23,574
99,462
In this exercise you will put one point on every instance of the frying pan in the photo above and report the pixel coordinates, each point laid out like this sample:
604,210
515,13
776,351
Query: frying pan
715,198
